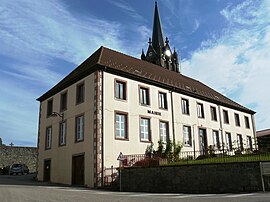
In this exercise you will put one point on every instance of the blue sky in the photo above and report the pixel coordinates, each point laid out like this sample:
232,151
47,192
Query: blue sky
224,43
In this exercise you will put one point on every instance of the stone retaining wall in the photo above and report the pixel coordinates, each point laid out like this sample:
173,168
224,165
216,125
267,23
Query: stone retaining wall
207,178
10,155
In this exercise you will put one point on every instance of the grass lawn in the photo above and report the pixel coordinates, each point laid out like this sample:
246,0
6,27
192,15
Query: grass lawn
226,159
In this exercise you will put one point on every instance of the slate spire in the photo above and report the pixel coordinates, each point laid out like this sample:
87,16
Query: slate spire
157,35
158,52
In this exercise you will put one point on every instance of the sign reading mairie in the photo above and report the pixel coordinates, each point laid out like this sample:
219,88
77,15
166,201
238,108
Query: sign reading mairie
153,112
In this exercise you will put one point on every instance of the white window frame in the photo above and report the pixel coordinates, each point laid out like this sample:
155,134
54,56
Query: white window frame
249,142
79,128
144,96
200,111
240,144
216,139
120,126
162,97
185,106
62,133
187,136
120,90
145,129
163,131
48,138
228,141
213,113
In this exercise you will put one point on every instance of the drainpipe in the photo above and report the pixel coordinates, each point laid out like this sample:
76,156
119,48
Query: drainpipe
221,128
173,131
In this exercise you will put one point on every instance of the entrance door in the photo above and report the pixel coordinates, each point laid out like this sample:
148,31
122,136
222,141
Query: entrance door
47,171
78,170
203,141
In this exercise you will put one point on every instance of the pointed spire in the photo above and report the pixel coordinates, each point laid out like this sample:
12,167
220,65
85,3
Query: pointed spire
143,55
157,36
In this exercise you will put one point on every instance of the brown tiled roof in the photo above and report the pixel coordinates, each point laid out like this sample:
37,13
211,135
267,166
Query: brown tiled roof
124,65
263,133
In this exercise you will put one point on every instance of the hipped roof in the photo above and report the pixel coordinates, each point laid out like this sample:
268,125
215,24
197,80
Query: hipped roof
120,64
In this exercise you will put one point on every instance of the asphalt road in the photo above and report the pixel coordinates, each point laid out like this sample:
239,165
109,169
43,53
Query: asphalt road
24,188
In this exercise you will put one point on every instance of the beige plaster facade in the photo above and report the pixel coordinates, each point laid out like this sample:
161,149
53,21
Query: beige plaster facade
125,104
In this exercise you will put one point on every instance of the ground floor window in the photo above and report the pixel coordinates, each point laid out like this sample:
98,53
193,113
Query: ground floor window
164,131
187,136
228,141
145,129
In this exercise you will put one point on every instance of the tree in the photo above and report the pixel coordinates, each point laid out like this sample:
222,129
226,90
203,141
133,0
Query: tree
1,142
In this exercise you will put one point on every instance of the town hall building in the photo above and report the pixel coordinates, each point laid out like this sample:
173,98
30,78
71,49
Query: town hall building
114,103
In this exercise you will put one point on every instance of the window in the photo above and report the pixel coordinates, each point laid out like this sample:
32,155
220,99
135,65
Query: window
163,131
48,140
187,136
63,101
213,113
49,107
185,106
144,96
249,142
80,93
79,128
162,98
145,129
228,141
240,142
120,90
226,116
121,126
62,133
247,122
200,111
237,119
216,139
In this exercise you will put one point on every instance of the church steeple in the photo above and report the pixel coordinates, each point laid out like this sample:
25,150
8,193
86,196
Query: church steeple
157,35
159,52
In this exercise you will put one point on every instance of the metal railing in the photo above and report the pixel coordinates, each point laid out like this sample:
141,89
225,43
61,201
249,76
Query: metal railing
196,157
110,175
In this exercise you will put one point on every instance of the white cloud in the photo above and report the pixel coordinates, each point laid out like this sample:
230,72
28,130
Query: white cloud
47,28
33,34
127,8
237,64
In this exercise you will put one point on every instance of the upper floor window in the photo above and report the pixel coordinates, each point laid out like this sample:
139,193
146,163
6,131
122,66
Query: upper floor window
162,98
187,136
63,101
228,141
120,90
80,93
237,119
164,131
226,116
62,133
49,107
121,126
145,129
48,140
240,142
79,136
144,96
216,138
200,110
247,122
213,113
185,106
